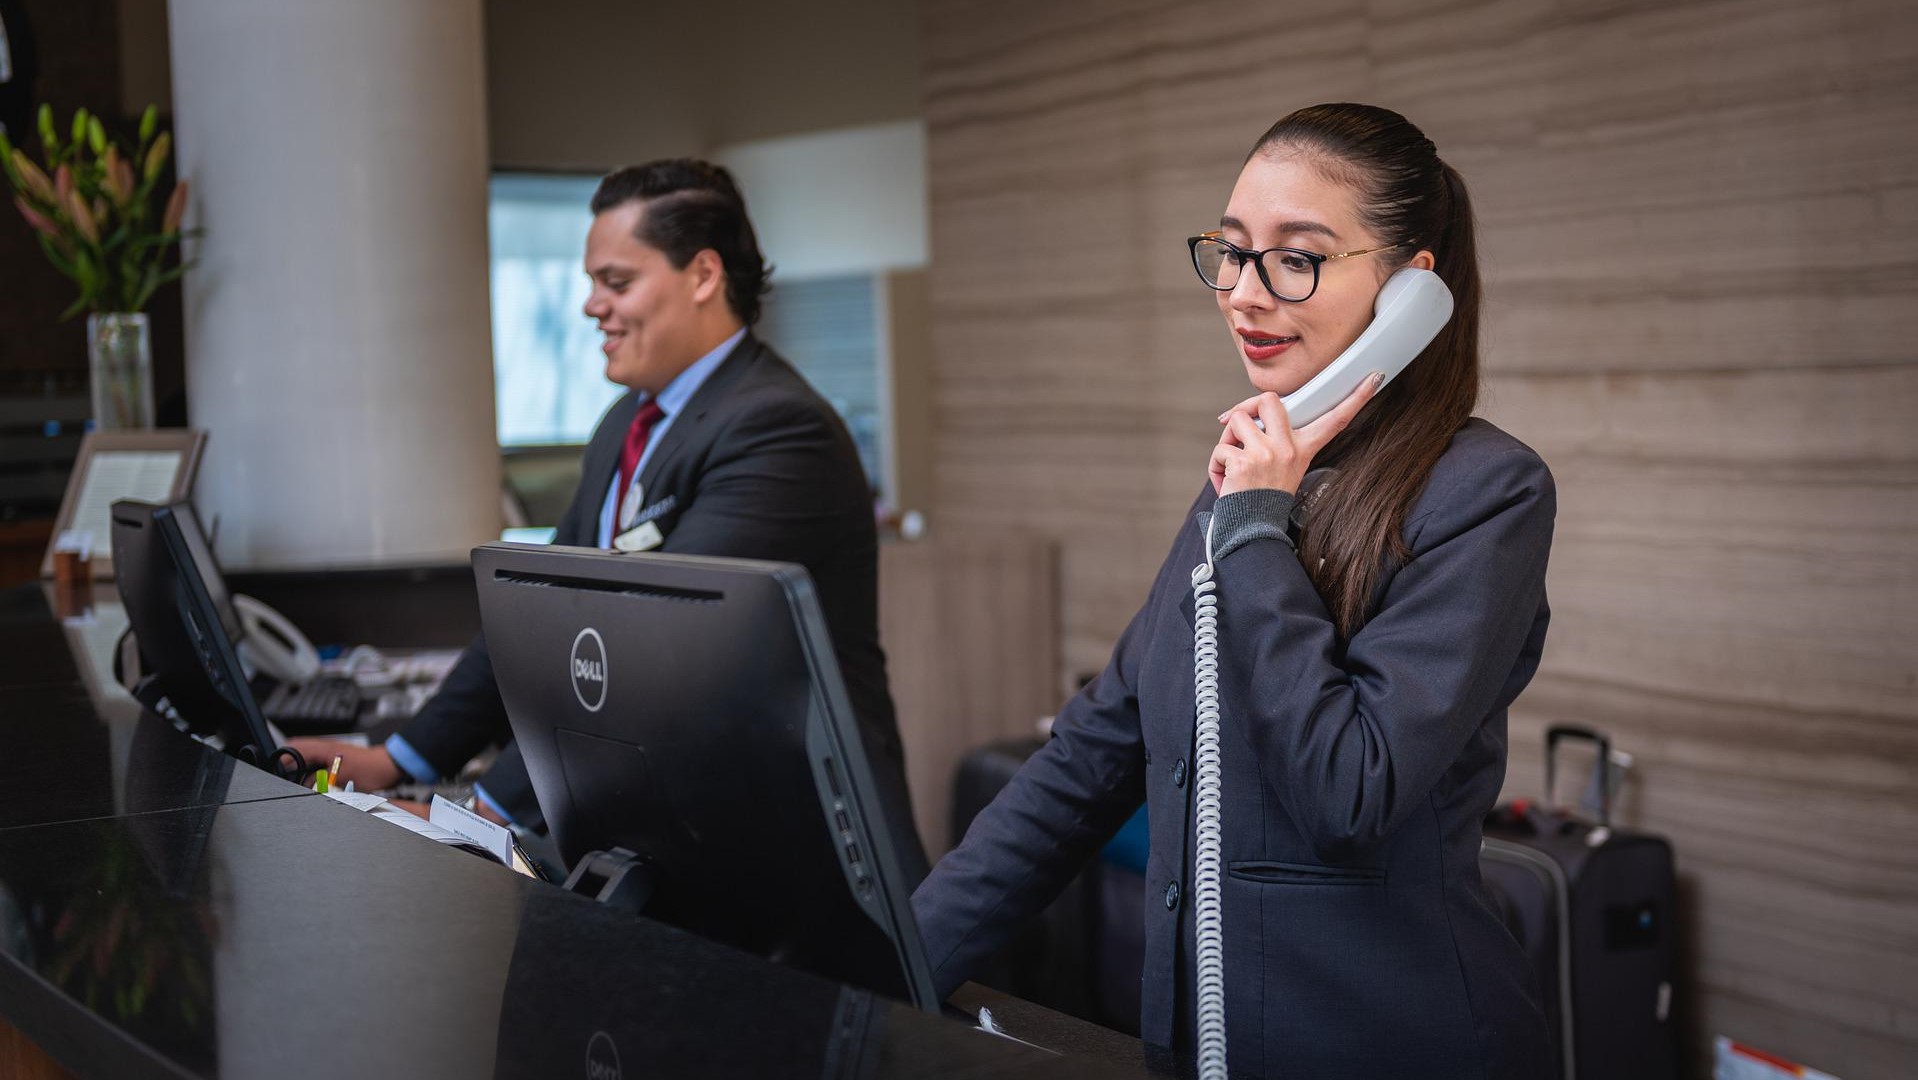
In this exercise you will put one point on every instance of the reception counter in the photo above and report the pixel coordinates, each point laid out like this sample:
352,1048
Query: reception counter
166,911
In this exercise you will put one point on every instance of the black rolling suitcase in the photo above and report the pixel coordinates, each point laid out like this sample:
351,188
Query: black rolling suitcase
1595,908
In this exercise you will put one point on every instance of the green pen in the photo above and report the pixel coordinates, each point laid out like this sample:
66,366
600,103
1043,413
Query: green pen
319,781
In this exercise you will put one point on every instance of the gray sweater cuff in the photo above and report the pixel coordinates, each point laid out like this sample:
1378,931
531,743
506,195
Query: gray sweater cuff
1244,516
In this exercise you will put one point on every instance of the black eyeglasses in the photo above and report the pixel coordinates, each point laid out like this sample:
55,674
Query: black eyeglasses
1291,274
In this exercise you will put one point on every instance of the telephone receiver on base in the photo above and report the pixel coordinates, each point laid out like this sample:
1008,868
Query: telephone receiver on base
1412,307
272,644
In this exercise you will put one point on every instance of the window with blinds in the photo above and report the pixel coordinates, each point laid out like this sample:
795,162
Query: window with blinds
829,328
549,376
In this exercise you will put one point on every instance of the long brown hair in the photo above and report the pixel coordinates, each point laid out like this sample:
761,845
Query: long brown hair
1410,198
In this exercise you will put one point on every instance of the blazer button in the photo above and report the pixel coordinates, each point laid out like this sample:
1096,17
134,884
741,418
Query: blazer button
1178,773
1171,895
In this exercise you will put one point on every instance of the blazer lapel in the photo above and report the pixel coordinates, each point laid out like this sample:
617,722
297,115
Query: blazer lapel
602,458
686,427
596,469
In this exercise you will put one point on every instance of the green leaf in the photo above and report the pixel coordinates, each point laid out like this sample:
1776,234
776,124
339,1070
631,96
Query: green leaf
47,138
85,273
148,120
79,133
60,262
96,135
149,282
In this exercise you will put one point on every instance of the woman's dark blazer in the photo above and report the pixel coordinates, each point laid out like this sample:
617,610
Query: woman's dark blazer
1359,939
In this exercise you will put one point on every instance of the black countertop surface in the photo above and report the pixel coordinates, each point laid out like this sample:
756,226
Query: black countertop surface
168,911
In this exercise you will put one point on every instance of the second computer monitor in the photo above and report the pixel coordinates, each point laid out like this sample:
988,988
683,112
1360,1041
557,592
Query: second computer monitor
690,710
182,618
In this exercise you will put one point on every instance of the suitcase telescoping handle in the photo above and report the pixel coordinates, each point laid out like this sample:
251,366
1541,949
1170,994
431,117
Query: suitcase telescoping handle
1559,732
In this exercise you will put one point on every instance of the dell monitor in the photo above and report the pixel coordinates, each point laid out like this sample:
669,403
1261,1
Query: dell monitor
687,713
179,611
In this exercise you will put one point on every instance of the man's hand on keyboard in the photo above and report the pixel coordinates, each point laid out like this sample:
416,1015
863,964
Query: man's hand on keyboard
370,768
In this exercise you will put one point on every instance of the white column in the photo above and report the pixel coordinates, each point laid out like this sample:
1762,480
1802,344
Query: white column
337,331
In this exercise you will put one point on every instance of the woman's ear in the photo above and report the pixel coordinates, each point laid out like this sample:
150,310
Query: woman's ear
1423,260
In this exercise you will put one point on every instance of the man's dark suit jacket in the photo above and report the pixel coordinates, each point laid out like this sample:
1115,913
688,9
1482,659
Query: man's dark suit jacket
757,465
1359,940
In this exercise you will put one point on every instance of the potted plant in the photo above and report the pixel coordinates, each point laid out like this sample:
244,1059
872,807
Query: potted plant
102,222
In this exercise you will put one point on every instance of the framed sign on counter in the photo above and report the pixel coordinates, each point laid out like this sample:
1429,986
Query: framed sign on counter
153,466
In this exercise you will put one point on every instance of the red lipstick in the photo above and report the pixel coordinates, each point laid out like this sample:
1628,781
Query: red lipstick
1259,345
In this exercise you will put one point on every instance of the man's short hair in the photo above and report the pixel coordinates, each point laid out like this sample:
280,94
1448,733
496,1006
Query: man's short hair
693,205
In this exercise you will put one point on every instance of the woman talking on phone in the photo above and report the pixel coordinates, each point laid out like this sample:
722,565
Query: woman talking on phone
1374,601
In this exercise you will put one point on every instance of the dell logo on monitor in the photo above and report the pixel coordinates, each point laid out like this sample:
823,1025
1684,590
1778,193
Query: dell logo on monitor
589,669
602,1058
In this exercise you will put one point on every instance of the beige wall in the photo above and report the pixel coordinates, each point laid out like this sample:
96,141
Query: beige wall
1699,225
592,84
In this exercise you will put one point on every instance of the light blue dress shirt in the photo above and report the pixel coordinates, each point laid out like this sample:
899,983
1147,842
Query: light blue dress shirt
672,401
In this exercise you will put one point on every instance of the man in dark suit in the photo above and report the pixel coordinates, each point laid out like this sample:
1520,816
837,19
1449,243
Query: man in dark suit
721,448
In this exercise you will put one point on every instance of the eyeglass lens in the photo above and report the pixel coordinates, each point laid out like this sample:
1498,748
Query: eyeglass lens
1290,273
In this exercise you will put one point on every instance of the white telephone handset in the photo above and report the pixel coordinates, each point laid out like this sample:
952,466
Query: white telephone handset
1412,307
273,645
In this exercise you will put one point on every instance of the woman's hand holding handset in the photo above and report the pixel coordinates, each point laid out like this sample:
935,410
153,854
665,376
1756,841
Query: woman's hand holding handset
1260,449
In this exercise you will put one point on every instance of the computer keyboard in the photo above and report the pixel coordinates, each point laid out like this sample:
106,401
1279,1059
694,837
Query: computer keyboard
330,703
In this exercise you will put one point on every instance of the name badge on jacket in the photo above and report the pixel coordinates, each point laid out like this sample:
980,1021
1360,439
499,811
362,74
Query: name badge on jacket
642,538
642,533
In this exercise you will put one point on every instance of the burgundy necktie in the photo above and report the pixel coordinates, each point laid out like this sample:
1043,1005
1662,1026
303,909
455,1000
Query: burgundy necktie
629,455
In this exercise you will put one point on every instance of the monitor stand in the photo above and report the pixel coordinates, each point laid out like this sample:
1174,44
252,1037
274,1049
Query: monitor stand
618,877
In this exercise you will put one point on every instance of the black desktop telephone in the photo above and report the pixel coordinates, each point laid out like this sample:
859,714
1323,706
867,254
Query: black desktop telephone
302,699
